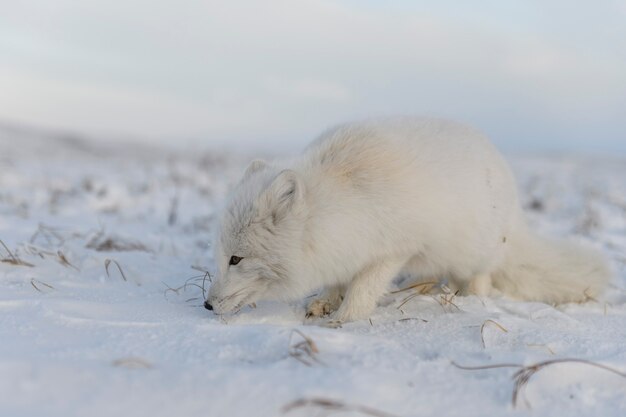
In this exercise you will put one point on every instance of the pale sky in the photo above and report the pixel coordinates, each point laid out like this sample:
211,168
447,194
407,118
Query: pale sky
534,75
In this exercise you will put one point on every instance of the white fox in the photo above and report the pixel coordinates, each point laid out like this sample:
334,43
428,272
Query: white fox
367,201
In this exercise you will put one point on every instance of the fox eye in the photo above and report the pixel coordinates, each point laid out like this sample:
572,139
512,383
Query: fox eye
234,260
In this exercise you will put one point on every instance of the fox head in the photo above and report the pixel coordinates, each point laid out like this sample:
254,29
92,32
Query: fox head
259,239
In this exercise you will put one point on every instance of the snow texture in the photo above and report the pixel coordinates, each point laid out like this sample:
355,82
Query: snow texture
96,320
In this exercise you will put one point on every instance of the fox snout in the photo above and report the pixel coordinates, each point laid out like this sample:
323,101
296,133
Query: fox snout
214,302
215,298
216,305
225,298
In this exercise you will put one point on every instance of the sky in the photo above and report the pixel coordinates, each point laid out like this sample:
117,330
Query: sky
534,75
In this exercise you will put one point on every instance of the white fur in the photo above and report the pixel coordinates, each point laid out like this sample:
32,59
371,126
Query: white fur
366,201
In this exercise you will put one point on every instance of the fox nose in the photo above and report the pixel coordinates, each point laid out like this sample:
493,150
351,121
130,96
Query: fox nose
208,306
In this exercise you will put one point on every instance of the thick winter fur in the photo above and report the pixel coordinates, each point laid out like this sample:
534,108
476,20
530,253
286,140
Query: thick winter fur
366,201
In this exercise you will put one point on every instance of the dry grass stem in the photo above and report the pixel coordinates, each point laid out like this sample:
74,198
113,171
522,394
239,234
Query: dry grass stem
16,262
407,299
422,287
482,329
304,351
13,259
172,217
197,278
34,283
414,318
63,261
8,251
538,345
447,298
334,406
107,263
51,235
525,373
34,250
168,289
204,278
115,244
198,281
132,363
203,270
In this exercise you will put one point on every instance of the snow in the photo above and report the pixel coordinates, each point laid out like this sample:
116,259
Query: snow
101,323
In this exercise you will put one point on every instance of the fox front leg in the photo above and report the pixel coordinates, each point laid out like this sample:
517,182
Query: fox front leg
365,289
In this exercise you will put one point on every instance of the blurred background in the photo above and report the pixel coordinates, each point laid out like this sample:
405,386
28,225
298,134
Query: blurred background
536,76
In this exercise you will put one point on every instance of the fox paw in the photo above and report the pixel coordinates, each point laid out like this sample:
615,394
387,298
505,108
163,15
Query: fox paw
318,308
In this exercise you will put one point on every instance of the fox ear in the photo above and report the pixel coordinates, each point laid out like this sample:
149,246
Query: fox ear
255,166
285,194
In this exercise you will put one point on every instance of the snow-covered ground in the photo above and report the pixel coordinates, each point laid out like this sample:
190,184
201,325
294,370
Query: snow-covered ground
96,320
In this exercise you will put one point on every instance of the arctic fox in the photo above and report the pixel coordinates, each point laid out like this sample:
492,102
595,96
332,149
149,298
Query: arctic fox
368,201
